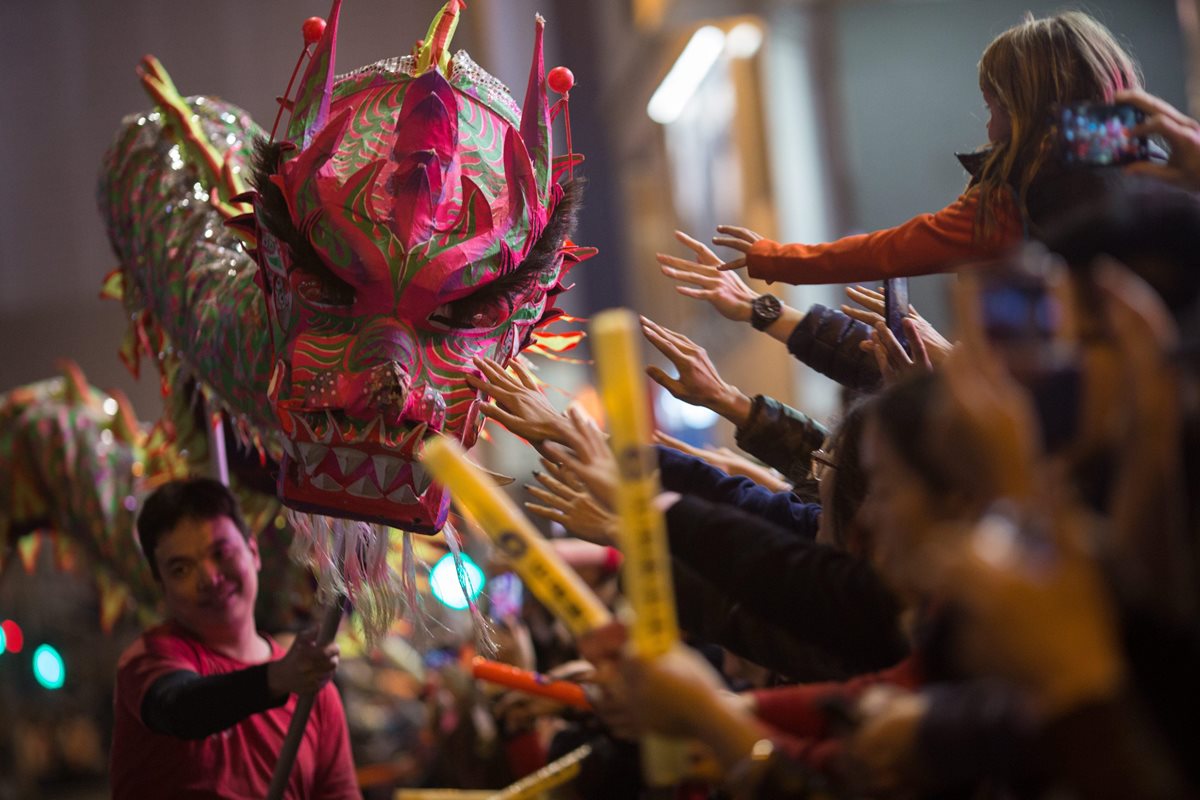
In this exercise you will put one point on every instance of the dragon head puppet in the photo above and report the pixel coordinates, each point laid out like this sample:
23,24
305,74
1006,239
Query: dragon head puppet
410,218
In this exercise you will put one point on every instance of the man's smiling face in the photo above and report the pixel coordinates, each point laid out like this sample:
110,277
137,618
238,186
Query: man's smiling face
209,575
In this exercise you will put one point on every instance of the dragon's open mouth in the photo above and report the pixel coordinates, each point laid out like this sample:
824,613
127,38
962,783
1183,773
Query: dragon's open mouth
342,468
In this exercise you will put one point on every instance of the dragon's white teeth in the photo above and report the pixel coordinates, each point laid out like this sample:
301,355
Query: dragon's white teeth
386,469
421,478
312,455
312,435
413,439
288,447
331,429
373,429
402,495
363,487
349,459
326,483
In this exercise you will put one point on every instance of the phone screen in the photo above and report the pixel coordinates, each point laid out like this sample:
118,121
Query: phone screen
1015,312
1099,135
895,307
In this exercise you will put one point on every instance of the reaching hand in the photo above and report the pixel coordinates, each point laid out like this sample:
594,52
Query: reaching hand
588,458
1038,615
573,508
871,312
670,694
884,744
520,405
727,292
735,238
1180,131
603,648
698,382
304,668
730,462
891,356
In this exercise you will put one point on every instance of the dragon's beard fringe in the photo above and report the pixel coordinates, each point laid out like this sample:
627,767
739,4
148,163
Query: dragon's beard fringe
350,559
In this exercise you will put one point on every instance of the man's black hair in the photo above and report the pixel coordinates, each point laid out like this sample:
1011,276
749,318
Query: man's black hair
189,499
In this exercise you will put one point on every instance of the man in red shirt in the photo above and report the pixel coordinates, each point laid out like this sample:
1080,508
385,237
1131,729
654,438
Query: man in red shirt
203,701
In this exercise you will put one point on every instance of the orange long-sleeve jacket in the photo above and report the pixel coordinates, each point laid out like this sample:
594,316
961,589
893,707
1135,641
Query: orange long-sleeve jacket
930,243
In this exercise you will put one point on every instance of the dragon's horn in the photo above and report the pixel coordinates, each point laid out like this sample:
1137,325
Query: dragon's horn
124,425
311,108
435,47
76,388
535,116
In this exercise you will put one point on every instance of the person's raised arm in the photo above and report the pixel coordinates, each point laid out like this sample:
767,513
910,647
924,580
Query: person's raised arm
698,383
703,279
189,706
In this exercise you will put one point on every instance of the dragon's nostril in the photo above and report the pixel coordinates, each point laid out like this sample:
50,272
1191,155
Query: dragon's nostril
426,404
387,389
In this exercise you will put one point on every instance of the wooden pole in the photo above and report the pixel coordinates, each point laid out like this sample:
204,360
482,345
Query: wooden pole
304,704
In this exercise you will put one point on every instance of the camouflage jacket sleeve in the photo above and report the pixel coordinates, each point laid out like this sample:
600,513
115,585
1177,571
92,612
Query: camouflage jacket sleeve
781,437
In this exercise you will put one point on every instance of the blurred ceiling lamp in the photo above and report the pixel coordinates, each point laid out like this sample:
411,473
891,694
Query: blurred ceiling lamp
648,14
743,40
686,75
693,65
676,415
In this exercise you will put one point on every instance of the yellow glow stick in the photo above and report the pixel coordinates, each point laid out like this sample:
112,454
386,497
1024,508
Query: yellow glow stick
531,787
556,773
647,565
553,582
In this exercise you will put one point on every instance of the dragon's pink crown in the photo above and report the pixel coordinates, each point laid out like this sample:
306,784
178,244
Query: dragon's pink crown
409,219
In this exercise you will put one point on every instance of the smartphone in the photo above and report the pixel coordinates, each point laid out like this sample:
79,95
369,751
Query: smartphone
506,594
895,307
1018,310
1096,135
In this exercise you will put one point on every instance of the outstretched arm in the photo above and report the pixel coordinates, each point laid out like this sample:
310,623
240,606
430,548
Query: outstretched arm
190,706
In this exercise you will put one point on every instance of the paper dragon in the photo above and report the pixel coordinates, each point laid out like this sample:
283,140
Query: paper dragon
326,291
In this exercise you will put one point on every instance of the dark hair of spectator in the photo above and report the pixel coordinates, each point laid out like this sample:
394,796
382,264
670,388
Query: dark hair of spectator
903,413
849,482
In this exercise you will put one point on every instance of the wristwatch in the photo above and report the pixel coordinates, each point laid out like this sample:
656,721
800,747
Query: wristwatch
764,310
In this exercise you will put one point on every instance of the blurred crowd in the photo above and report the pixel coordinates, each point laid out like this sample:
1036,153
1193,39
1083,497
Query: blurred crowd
979,579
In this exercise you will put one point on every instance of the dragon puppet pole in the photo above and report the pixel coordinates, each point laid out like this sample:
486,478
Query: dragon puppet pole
216,448
304,703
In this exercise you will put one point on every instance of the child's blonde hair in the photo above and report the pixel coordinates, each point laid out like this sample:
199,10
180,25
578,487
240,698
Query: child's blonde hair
1028,71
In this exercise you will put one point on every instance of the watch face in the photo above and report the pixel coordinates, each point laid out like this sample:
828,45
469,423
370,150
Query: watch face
764,310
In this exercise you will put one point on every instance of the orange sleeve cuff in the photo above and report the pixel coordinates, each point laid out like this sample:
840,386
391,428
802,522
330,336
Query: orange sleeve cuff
927,244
